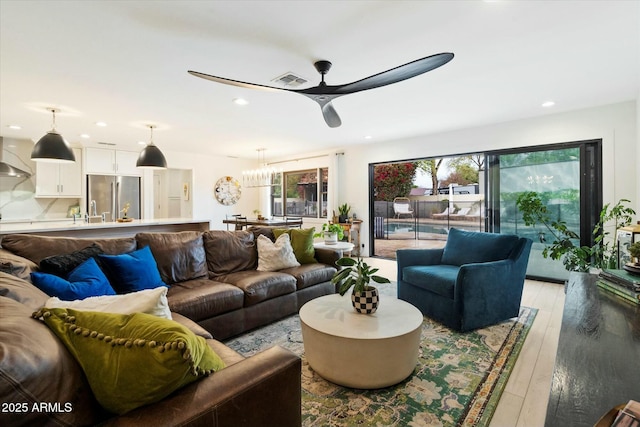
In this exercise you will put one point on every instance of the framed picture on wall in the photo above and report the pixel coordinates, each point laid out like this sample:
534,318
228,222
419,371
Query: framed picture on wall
185,191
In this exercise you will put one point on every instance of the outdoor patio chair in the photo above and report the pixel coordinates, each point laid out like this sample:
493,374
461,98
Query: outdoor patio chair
402,206
475,214
445,213
461,214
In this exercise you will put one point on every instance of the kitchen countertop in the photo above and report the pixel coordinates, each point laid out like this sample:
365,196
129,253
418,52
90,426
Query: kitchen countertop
12,227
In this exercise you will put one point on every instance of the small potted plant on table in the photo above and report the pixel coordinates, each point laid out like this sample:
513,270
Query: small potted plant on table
331,233
344,213
634,251
359,274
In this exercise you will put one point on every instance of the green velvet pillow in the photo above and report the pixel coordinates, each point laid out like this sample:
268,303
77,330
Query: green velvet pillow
301,241
131,360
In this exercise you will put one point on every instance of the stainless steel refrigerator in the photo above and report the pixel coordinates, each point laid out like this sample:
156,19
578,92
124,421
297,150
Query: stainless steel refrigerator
108,194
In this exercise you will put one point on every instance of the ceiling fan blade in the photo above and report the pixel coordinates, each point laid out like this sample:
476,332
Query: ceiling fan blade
394,75
330,115
237,83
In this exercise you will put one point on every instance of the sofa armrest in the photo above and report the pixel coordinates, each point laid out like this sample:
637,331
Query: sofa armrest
327,256
191,325
260,390
16,265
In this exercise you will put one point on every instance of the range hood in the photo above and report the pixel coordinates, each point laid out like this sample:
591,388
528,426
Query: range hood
7,170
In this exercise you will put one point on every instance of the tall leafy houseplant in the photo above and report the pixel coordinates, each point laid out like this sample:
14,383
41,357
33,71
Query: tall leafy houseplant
357,274
602,254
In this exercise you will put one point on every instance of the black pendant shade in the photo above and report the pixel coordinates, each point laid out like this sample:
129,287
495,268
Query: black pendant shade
53,148
151,157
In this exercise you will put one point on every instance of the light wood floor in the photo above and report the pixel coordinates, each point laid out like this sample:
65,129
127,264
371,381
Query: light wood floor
524,400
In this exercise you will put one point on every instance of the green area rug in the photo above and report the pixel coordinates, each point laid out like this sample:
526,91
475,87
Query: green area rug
457,382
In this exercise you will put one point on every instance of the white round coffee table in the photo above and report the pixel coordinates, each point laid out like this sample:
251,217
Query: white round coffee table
365,351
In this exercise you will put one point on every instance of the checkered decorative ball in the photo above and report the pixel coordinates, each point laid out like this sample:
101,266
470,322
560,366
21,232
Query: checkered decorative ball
365,302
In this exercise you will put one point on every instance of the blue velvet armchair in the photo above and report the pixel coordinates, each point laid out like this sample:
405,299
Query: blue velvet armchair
476,280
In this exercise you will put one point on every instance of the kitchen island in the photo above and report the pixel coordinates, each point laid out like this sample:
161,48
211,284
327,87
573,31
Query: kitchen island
81,229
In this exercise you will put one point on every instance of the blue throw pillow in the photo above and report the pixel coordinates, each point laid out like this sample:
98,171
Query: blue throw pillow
86,280
132,272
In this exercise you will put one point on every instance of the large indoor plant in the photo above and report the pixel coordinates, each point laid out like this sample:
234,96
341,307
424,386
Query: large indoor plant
358,274
331,233
602,254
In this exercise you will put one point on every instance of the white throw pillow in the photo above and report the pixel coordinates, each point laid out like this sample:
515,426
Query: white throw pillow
275,256
150,301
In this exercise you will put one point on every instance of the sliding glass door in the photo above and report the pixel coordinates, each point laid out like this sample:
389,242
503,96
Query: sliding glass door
567,179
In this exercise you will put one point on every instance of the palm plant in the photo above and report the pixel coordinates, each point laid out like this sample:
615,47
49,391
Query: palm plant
357,274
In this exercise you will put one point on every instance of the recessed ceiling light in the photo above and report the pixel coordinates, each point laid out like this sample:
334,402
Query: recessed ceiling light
240,101
142,142
368,137
85,136
15,127
101,124
548,104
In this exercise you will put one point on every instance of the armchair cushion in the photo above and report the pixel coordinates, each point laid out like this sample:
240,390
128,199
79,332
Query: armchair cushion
466,247
439,279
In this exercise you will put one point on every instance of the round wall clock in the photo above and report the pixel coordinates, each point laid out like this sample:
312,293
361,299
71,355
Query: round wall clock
227,190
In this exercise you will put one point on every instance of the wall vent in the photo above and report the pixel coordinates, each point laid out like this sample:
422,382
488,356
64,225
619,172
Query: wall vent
289,79
107,143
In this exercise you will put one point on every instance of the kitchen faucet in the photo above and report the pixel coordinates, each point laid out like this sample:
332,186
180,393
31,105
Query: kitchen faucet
94,208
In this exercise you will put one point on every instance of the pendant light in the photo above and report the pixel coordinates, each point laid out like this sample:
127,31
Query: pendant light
53,147
151,157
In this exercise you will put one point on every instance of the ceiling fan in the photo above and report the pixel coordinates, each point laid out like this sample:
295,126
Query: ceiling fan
323,94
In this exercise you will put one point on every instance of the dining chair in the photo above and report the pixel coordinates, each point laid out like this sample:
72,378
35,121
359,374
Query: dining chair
241,223
234,217
293,221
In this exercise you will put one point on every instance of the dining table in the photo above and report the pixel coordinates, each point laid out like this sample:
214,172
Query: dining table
266,222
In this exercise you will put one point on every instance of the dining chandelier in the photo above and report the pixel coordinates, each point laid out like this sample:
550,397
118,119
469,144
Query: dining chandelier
263,177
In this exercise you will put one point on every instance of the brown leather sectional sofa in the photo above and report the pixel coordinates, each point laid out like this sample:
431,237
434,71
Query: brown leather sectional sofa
215,290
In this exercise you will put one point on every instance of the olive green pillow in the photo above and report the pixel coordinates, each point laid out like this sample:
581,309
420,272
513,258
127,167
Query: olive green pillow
301,241
131,360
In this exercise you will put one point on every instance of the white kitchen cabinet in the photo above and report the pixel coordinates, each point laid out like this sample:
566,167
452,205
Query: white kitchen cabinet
105,161
60,179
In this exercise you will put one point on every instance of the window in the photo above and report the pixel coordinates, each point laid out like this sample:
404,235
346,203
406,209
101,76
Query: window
301,194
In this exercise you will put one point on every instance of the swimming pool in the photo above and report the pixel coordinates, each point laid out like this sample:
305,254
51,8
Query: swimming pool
403,227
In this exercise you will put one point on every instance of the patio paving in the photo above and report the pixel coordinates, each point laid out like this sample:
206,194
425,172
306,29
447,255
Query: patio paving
386,248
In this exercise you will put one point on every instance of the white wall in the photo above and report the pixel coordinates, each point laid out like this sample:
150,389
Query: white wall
348,173
206,171
614,124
